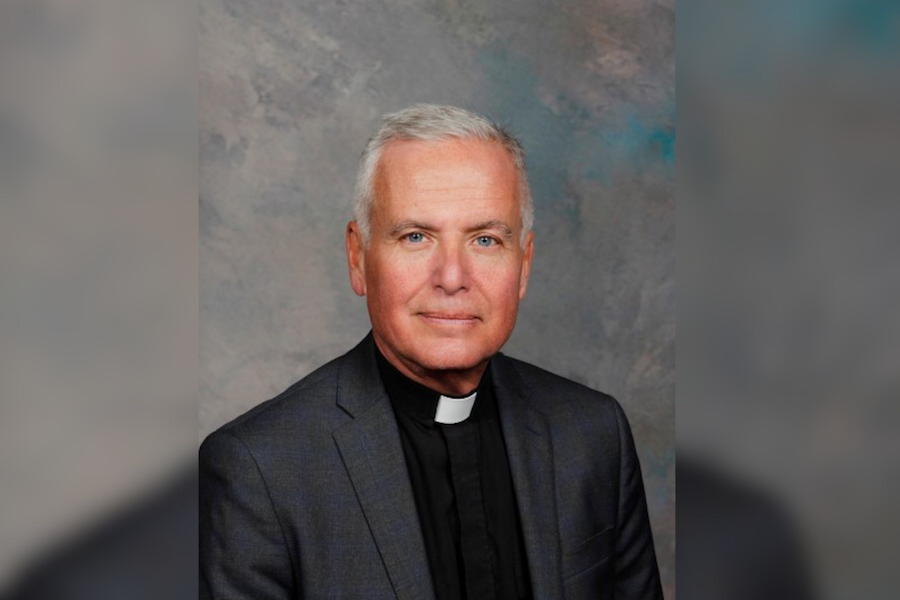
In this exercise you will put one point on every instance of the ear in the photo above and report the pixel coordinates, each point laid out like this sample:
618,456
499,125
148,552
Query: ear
526,264
356,258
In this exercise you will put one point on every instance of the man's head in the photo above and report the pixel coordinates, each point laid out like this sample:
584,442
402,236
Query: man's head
441,246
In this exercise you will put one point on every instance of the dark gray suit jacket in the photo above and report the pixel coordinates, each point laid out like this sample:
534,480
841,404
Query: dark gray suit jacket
307,495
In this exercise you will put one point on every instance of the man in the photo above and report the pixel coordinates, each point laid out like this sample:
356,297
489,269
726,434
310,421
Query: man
424,464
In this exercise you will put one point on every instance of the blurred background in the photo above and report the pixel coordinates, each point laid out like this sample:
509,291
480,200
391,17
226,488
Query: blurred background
98,291
789,294
290,92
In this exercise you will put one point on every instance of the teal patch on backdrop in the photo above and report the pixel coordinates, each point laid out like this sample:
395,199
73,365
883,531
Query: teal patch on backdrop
567,140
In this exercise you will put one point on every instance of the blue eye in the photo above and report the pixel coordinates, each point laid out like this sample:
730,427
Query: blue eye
485,241
415,237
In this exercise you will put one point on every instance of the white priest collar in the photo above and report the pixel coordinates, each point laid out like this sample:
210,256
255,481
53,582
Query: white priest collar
451,411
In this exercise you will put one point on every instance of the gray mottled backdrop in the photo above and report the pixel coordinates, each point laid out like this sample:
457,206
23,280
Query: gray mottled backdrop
291,89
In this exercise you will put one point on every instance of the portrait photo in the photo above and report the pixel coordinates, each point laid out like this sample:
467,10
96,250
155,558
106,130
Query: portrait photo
451,208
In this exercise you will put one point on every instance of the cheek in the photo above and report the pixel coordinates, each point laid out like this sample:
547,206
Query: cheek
507,280
503,294
390,286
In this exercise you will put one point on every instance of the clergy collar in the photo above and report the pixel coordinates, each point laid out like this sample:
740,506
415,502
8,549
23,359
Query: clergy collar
426,405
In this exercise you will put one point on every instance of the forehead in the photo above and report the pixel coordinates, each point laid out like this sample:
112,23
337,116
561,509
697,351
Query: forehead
457,171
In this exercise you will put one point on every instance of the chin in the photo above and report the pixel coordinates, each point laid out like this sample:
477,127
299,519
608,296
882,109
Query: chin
450,355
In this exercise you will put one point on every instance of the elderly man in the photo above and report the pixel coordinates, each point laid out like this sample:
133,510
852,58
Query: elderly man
425,464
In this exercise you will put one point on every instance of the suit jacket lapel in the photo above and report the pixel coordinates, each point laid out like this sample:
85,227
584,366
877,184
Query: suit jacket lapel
530,454
372,454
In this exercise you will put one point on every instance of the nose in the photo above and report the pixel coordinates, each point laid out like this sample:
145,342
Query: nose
451,273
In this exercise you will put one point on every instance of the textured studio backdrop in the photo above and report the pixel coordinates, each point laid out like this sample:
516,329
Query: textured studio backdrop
290,90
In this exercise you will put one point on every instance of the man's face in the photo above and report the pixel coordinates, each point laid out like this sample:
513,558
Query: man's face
444,269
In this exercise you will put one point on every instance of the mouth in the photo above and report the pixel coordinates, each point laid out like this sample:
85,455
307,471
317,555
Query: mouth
449,319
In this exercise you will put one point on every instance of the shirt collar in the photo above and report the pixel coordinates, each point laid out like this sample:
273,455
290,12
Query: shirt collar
424,404
451,411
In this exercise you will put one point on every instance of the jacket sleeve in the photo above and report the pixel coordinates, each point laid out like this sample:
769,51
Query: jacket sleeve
637,574
243,553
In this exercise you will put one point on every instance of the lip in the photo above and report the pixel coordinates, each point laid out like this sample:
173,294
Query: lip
441,318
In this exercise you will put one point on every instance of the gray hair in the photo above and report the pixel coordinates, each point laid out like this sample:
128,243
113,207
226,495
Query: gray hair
431,122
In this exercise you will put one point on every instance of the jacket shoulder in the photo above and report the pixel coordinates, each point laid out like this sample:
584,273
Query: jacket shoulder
555,394
308,403
580,416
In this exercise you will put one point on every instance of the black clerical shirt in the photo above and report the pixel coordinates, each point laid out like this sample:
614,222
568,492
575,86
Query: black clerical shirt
463,492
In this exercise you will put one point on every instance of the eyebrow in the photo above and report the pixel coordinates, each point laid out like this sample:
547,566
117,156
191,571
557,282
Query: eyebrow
504,229
404,225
